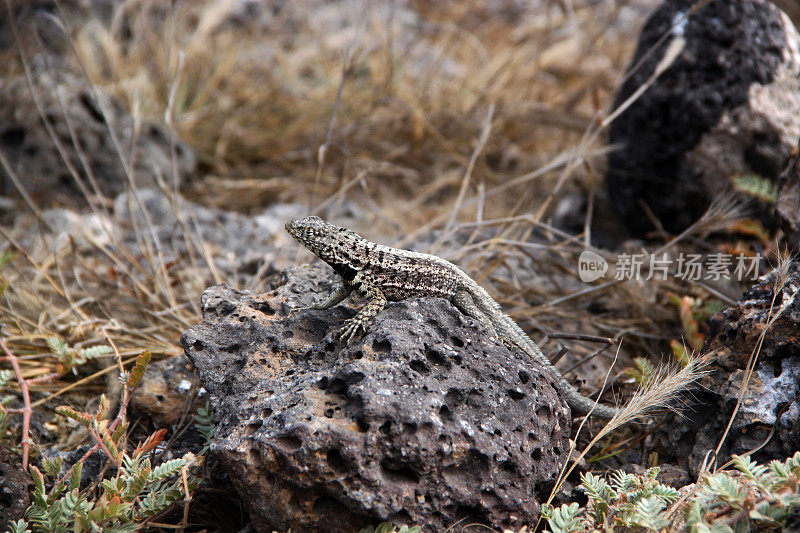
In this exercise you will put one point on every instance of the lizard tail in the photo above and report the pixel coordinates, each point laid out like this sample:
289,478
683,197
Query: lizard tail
508,330
654,395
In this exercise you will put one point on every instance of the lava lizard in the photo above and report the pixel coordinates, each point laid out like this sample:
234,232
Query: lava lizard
381,273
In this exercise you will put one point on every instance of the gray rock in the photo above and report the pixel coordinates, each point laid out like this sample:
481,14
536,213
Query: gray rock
81,126
426,419
772,399
164,391
240,244
728,105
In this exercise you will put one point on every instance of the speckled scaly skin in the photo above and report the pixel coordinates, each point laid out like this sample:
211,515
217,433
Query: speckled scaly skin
381,273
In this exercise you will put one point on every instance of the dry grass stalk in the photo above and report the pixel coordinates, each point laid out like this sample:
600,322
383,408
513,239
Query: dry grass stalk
26,402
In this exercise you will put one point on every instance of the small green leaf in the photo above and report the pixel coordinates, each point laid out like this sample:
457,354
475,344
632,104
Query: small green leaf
38,480
83,418
5,377
167,469
75,476
20,526
137,372
757,187
57,346
564,519
51,465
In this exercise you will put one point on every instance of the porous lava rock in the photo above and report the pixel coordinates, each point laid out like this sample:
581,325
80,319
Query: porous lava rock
787,206
82,121
727,106
772,399
14,489
425,419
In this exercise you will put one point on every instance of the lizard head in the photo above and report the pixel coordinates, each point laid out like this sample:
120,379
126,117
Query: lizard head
331,243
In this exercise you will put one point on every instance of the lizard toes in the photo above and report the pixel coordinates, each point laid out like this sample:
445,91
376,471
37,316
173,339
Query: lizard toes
345,333
349,331
296,310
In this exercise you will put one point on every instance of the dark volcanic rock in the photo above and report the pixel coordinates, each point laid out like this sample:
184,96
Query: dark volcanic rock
728,105
14,489
94,467
81,125
425,419
787,207
772,398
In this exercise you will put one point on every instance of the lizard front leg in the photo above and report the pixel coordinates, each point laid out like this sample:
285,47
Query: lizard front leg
336,297
376,301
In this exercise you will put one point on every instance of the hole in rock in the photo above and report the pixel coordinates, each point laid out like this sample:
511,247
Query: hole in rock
264,307
453,398
469,514
362,424
398,473
383,346
337,386
418,366
435,357
508,466
335,460
290,442
515,394
13,137
326,505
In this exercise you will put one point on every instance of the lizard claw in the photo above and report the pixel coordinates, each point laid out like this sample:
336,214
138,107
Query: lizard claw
349,330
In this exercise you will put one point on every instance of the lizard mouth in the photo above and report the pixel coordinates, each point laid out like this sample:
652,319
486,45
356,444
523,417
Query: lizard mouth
291,228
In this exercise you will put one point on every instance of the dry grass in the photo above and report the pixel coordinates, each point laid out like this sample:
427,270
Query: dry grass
257,100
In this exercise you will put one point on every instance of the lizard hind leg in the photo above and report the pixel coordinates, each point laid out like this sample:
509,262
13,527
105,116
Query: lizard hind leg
464,303
375,304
